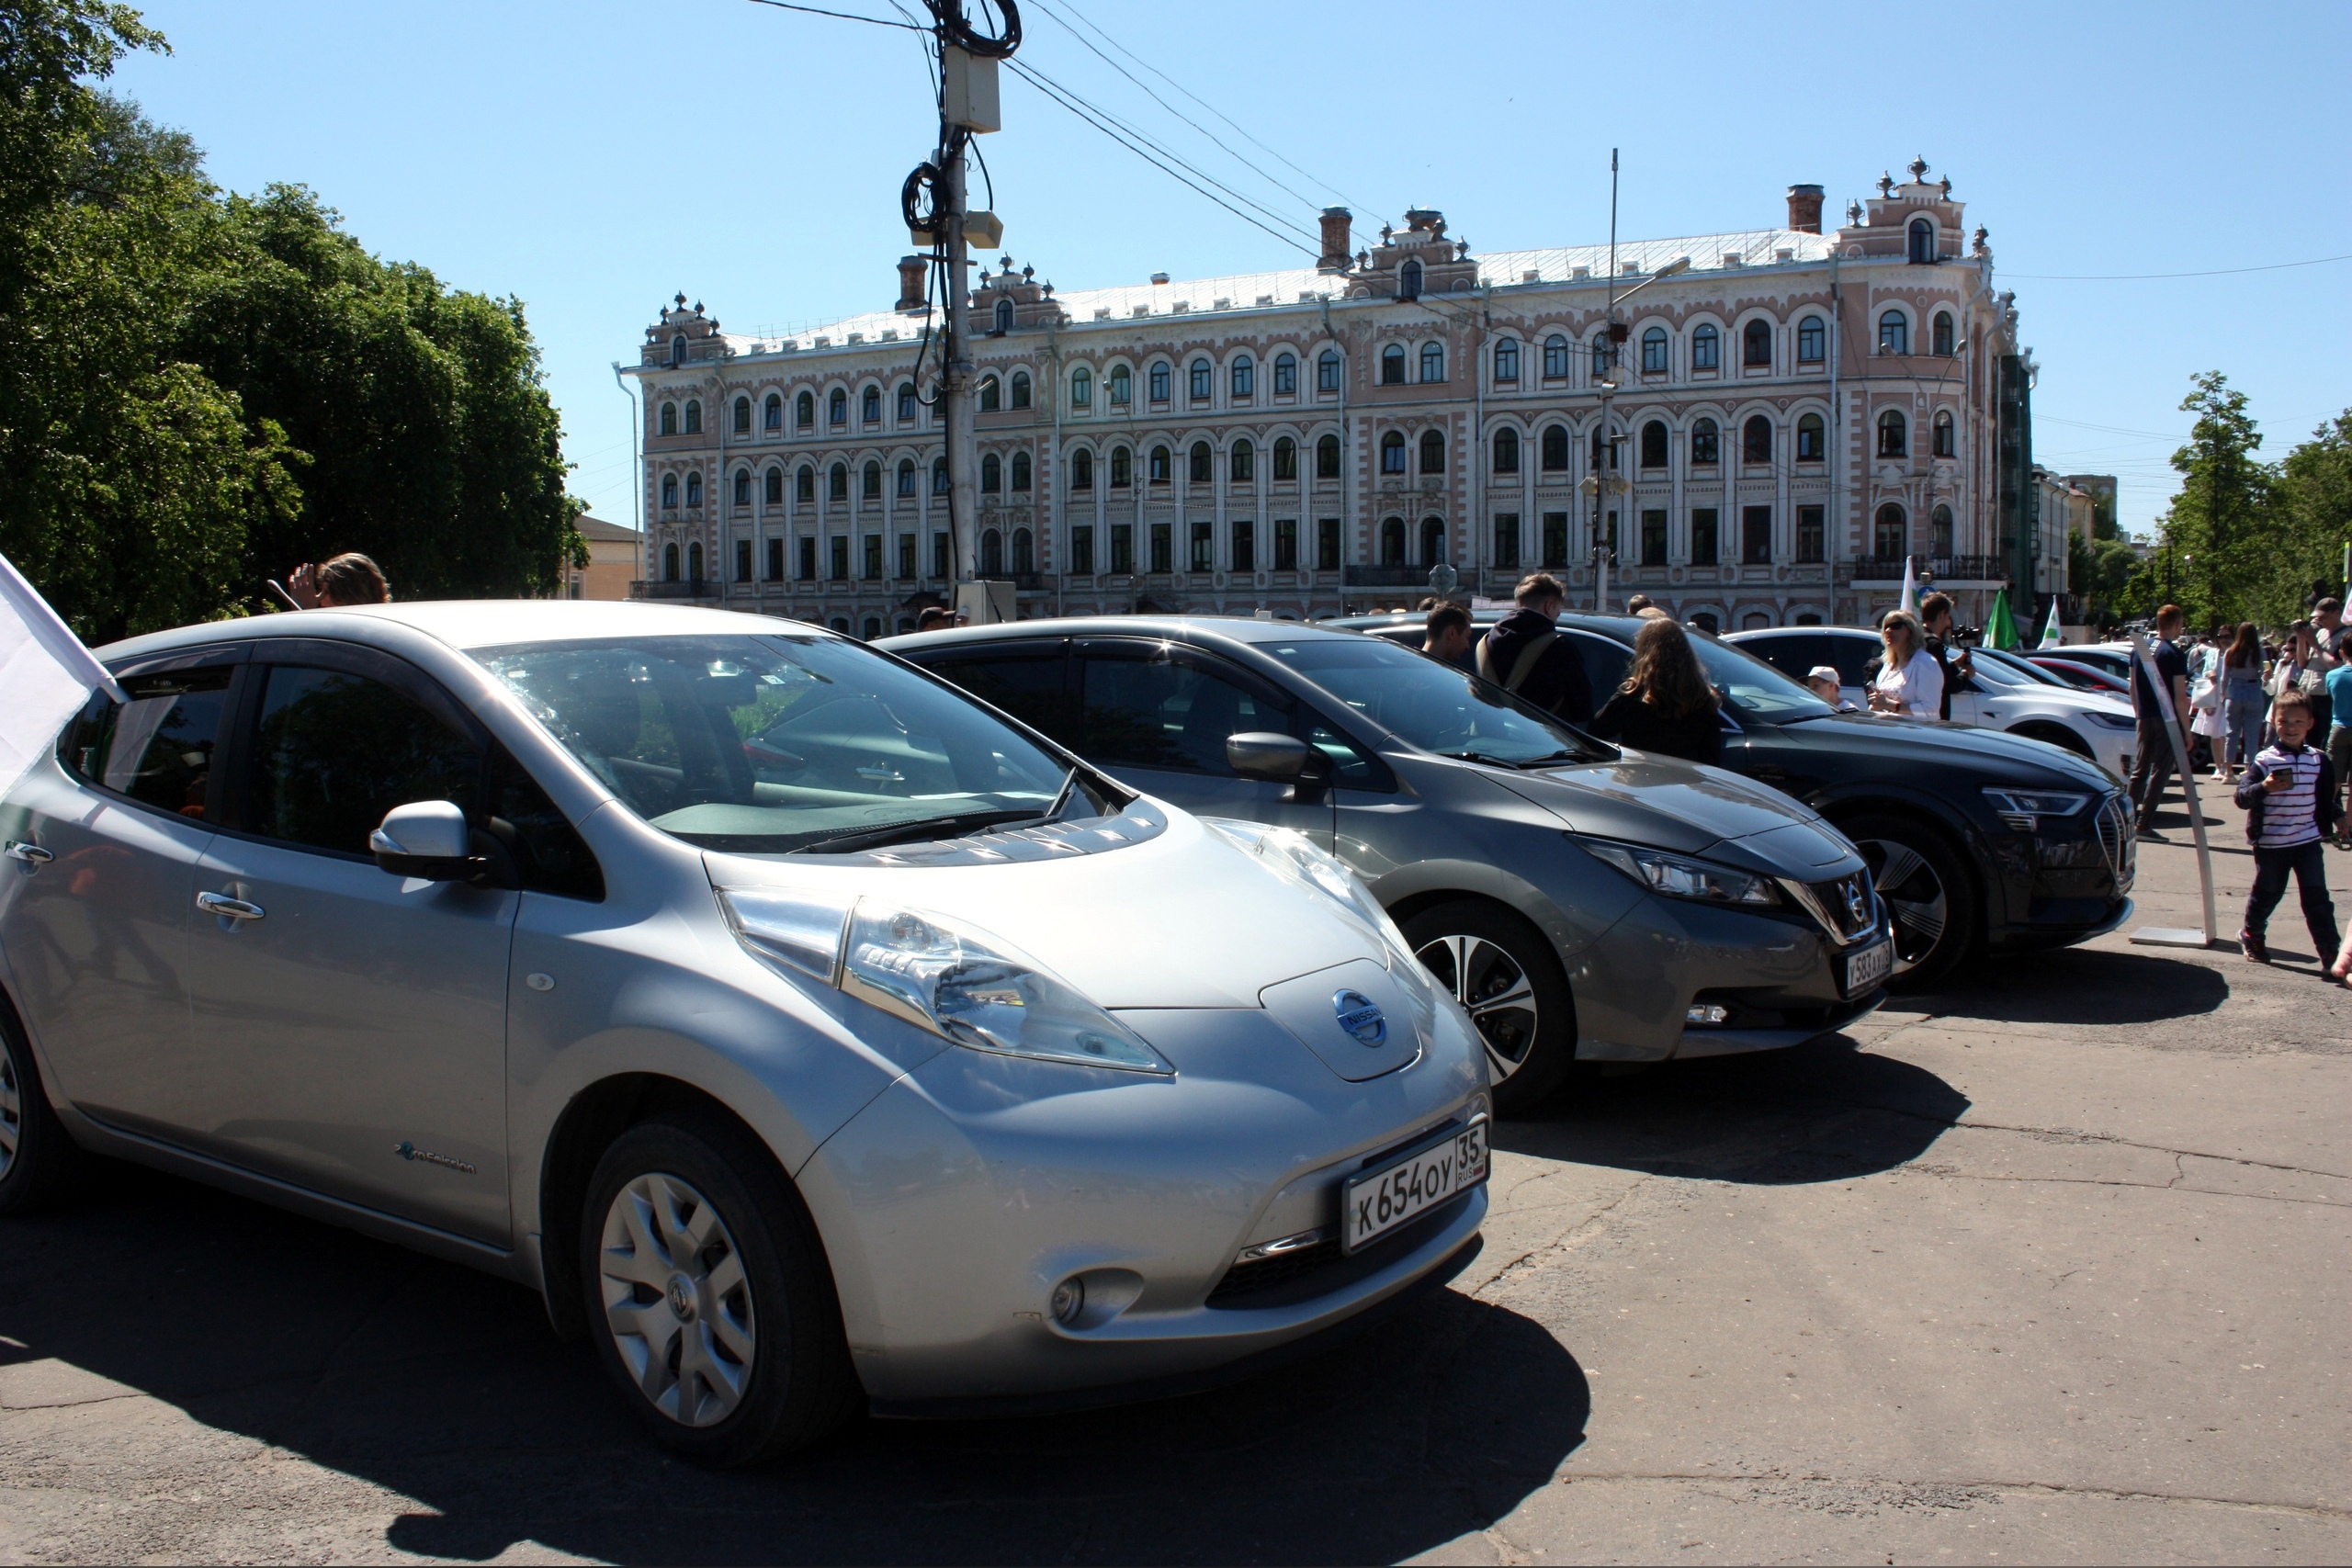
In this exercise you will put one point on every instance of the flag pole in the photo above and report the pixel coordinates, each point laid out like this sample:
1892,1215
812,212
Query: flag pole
2176,936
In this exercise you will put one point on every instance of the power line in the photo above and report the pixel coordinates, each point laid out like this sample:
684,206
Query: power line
841,16
2152,276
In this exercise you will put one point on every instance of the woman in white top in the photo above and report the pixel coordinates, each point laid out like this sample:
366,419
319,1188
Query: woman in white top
1909,679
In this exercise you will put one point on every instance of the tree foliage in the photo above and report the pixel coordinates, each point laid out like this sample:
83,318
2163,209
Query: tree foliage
198,391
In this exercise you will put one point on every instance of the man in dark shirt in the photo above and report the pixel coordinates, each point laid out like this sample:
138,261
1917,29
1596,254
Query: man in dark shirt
1525,653
2153,745
1935,620
1448,638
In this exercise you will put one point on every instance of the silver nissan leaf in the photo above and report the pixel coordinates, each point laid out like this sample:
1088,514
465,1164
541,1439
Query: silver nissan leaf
812,1037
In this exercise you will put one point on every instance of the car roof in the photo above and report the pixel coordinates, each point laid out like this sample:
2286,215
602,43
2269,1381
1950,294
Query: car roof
476,623
1183,629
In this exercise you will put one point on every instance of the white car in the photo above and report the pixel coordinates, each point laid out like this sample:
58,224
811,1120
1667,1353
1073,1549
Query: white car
2005,691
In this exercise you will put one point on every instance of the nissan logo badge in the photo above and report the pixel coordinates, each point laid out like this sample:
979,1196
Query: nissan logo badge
1361,1017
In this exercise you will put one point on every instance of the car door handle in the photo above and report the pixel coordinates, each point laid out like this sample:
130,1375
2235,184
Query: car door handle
229,909
31,854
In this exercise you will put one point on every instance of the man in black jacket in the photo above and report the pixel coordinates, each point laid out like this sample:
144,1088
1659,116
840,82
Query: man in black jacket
1524,652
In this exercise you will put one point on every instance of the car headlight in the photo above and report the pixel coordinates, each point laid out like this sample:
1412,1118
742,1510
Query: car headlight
1679,876
2110,720
2024,808
960,983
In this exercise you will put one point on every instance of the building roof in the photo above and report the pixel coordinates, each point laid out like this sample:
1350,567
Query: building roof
597,530
1293,286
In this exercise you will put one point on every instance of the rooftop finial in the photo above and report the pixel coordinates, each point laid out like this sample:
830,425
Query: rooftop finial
1918,167
1853,214
1885,183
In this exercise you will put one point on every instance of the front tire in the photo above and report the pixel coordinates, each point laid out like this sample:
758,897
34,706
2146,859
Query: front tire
40,1164
1926,890
708,1296
1504,973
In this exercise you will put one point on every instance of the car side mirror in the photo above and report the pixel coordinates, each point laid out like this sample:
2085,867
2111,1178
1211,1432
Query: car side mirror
426,837
1282,758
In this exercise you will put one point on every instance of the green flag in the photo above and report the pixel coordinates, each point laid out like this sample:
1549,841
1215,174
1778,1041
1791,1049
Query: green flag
2001,626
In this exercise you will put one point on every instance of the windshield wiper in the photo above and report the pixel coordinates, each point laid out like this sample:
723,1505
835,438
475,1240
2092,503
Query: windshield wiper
946,826
1563,755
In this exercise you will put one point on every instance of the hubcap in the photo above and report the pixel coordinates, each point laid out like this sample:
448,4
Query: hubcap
1913,895
1494,990
12,1108
676,1301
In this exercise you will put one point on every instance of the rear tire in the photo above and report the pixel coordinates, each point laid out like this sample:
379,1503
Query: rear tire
1505,973
41,1165
1929,891
709,1297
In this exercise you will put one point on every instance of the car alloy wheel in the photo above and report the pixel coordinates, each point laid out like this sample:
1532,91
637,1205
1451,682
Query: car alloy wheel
1507,977
1494,990
1913,895
677,1303
12,1108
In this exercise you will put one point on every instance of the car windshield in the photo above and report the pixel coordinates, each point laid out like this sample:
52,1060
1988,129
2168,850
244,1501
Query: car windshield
2008,670
772,744
1752,688
1434,706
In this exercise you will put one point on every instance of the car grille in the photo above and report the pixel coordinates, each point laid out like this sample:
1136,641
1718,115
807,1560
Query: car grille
1849,906
1266,1273
2117,841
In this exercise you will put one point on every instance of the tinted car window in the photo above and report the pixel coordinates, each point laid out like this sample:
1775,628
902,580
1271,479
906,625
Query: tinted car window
549,852
1854,656
1169,712
158,748
333,752
1429,705
1026,685
1604,664
1794,654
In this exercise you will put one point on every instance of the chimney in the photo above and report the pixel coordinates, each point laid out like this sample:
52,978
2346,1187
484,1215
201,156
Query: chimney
1337,243
1804,209
910,282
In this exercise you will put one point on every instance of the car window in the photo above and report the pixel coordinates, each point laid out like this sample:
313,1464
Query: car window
1432,705
1026,684
333,752
549,852
774,743
158,748
1794,654
1605,664
1169,709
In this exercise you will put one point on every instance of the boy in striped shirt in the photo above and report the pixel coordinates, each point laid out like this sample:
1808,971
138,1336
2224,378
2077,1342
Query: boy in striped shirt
2290,804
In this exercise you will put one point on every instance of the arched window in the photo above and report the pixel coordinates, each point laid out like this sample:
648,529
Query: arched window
1555,449
908,402
1706,348
1893,435
1706,444
1432,540
837,408
869,406
1505,451
742,416
694,489
1004,315
1123,468
1021,471
670,490
1081,469
1887,530
1433,362
743,487
1392,453
871,485
906,479
1327,457
1947,439
1654,352
1081,387
1159,382
1328,371
771,488
805,484
1408,281
1024,552
1653,444
1391,364
1433,452
694,416
1157,471
991,553
1555,358
1020,389
1203,382
1923,241
1243,462
669,419
669,563
772,411
1939,532
1893,333
1506,360
1756,440
873,627
1756,343
1942,335
939,484
837,482
1604,353
991,474
1286,459
804,411
1245,376
991,394
1813,341
1202,468
1122,383
678,349
1285,375
1392,542
693,561
1812,438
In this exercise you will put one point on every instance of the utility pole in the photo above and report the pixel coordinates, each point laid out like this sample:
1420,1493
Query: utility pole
955,385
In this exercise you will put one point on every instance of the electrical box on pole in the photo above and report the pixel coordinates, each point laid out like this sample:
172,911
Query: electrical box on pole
968,83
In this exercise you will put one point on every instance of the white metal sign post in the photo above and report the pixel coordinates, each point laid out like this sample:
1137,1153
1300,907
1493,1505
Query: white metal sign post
2176,936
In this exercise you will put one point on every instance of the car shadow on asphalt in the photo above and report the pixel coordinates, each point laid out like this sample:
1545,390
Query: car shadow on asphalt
2077,985
448,1387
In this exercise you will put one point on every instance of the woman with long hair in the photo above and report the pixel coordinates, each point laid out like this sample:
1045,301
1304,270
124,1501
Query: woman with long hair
1910,680
2243,699
1665,703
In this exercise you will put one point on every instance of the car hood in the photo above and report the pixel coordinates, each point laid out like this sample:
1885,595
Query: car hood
1968,751
1179,917
1668,805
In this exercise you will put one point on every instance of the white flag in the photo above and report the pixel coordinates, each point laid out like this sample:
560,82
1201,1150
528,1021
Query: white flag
1910,588
45,675
2050,637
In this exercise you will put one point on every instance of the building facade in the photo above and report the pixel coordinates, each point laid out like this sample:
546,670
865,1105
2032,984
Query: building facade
614,567
1787,414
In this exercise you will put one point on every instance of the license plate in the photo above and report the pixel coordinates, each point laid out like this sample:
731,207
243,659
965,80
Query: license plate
1376,1202
1868,969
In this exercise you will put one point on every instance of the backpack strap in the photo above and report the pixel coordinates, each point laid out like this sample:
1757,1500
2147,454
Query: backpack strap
1528,658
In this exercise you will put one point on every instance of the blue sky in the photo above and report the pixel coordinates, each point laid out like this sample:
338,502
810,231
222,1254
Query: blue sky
593,157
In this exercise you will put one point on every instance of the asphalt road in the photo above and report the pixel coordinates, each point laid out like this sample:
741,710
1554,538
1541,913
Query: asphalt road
2051,1267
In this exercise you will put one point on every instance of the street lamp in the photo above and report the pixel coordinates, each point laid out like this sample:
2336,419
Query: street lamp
1604,550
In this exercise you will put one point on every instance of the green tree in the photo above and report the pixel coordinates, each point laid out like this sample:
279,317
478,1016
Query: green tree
2097,571
2216,531
2315,494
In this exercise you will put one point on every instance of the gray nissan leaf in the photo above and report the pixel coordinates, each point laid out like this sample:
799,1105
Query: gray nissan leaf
1584,902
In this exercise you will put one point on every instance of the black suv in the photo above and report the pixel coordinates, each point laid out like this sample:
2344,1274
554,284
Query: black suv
1975,837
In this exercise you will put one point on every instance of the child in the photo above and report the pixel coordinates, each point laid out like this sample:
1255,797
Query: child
1823,679
2290,804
